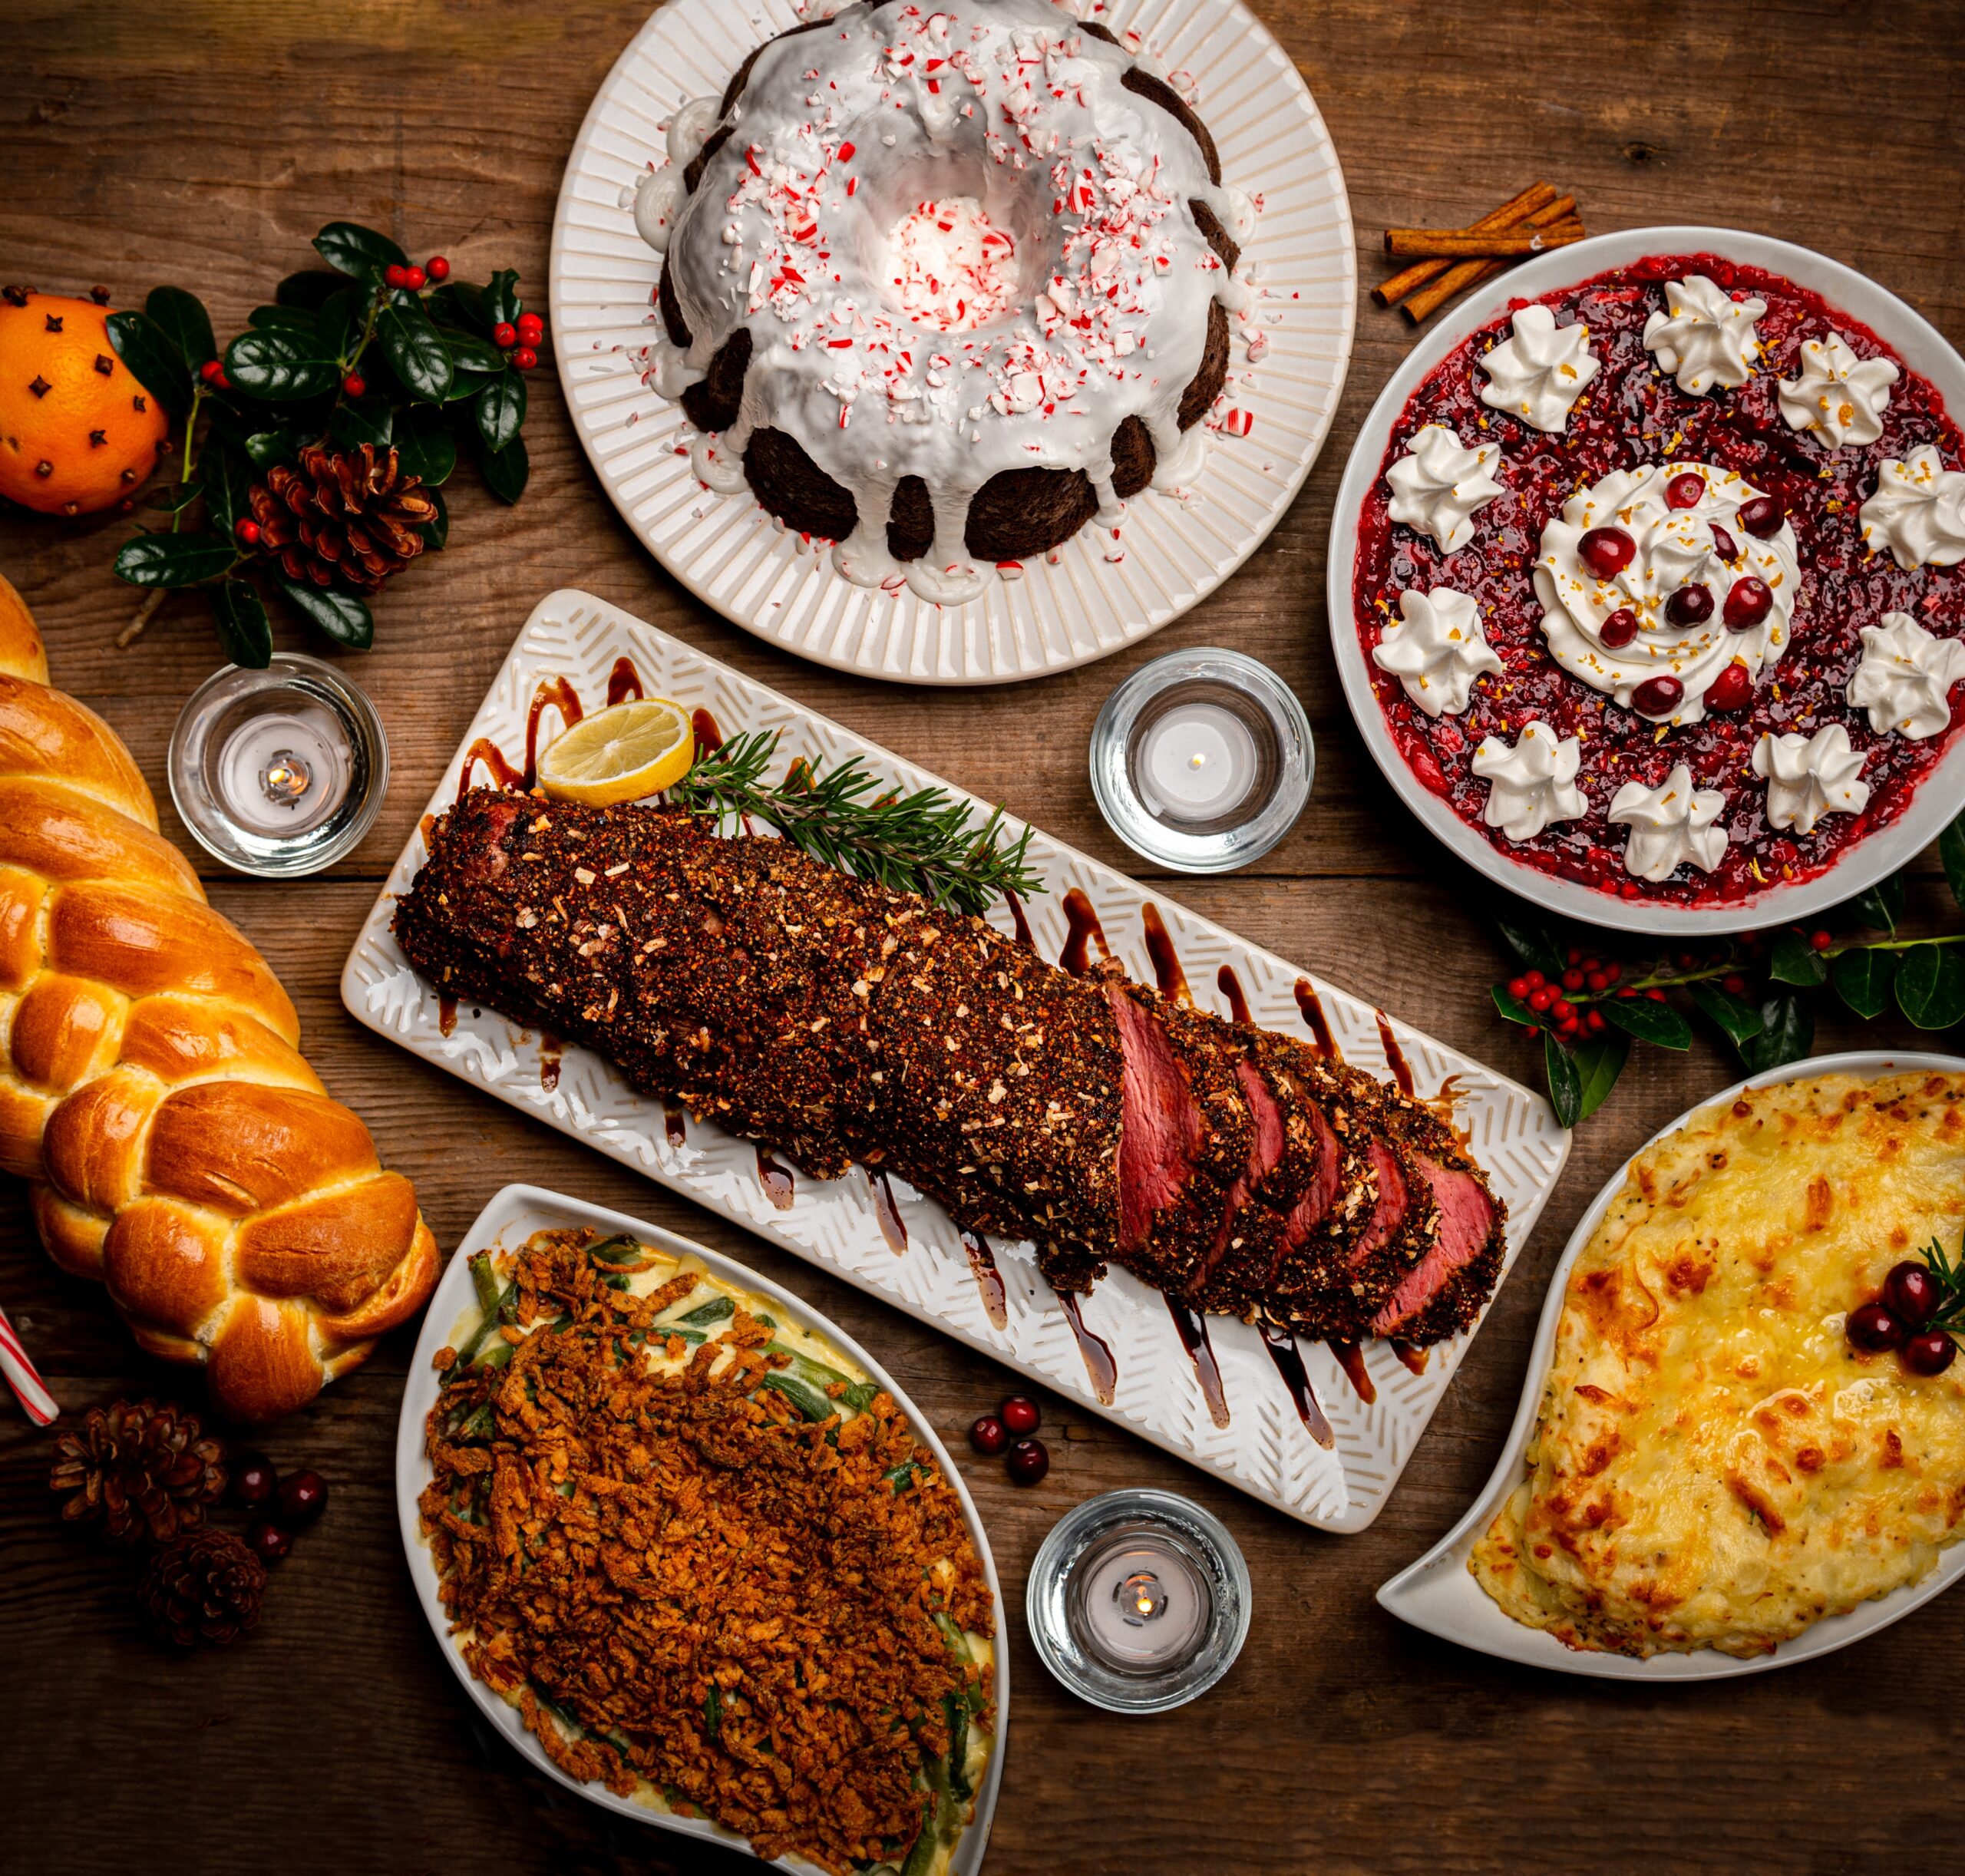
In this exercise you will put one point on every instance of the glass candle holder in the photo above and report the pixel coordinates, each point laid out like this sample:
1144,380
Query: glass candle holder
278,772
1138,1601
1202,760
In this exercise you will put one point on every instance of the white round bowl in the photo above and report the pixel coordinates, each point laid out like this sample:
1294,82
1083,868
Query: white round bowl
1913,338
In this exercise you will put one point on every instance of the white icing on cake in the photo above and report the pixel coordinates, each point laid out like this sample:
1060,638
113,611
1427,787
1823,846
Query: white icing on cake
1673,547
840,135
1918,510
1672,825
1808,777
1436,649
1905,679
1533,783
1438,487
1706,337
1839,396
1539,370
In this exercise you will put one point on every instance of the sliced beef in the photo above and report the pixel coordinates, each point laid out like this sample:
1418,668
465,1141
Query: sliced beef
1442,1291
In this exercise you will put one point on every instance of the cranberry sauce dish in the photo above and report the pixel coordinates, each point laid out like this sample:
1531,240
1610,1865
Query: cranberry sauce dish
1659,583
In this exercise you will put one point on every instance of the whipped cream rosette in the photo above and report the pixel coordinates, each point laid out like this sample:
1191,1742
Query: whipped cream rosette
1905,678
1532,784
1840,397
1808,777
1439,486
1539,370
1436,649
1674,825
1918,513
1705,337
1651,585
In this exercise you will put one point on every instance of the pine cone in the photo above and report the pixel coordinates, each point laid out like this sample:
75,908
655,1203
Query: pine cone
351,518
144,1471
206,1587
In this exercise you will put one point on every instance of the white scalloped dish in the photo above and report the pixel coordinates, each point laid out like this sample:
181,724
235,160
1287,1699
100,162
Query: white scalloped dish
1439,1593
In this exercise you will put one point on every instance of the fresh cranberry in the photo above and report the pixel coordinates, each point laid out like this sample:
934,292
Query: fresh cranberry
1725,546
1607,551
1028,1461
303,1498
1618,629
504,336
1730,689
1657,697
1020,1415
1911,1293
1684,491
247,529
1929,1352
987,1435
253,1480
267,1541
436,268
531,329
1690,606
1874,1329
1749,602
1761,517
354,384
524,358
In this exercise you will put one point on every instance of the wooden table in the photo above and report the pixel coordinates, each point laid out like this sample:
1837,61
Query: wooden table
203,144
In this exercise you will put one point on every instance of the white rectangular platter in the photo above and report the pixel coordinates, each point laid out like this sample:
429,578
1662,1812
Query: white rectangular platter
1254,1436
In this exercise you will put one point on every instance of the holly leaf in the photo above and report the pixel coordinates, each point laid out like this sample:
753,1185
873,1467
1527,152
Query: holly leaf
1795,961
1930,986
342,616
184,323
500,410
437,533
153,360
1862,979
1881,906
173,497
349,248
469,353
458,303
1786,1034
1735,1016
311,290
1565,1081
1599,1062
505,470
174,559
424,447
1950,847
1649,1021
1513,1008
360,420
339,324
501,302
227,478
278,366
1530,942
282,320
415,351
268,446
244,631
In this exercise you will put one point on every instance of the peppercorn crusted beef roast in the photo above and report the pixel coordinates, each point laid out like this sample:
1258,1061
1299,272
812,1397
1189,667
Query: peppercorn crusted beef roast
842,1022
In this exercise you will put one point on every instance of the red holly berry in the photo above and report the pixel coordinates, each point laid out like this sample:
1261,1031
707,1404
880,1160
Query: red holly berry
1517,987
413,278
1563,1011
504,336
525,358
1573,979
394,275
1656,995
1539,1000
1597,1024
248,531
354,384
1820,941
1733,983
1574,955
1535,980
1597,981
532,328
438,268
210,370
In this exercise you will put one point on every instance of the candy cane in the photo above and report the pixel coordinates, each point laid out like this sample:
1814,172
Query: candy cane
14,1363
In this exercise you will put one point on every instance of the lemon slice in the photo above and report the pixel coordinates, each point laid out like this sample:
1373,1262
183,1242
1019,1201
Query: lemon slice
620,754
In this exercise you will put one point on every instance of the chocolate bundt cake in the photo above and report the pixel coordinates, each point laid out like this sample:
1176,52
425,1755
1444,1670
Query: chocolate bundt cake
943,284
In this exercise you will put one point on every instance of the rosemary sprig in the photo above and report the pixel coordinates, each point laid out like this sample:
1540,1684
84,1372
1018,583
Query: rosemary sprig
926,842
1950,1314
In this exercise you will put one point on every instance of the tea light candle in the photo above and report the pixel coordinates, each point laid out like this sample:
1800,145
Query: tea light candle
1202,760
279,771
1138,1601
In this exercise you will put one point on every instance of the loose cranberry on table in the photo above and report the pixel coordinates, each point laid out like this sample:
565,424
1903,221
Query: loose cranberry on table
1929,1352
1910,1294
267,1541
1874,1329
303,1498
253,1480
1028,1461
1021,1415
989,1436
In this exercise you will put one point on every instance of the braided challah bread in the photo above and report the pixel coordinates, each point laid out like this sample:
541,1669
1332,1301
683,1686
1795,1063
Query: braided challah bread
177,1147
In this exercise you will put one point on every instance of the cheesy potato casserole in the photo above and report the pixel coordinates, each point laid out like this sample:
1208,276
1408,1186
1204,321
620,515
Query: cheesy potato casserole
1713,1464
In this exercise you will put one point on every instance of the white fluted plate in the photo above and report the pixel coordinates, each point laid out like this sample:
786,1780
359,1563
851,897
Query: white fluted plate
1177,548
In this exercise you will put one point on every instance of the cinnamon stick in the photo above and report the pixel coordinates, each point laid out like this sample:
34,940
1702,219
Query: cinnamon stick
1409,280
1472,243
1468,274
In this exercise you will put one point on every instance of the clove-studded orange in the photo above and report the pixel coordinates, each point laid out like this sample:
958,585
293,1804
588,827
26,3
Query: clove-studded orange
78,432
